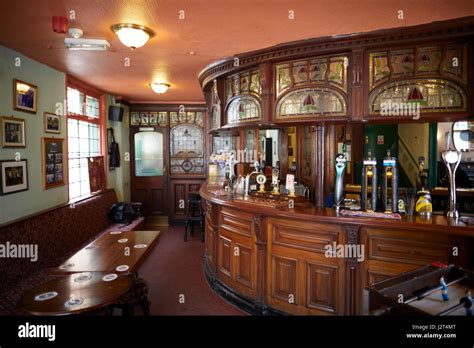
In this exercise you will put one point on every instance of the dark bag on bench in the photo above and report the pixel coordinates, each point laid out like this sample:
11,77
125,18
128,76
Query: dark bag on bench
122,213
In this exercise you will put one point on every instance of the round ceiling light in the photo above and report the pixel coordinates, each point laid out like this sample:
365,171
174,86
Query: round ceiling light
132,35
159,88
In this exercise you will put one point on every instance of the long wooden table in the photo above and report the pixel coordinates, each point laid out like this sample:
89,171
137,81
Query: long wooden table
75,293
116,251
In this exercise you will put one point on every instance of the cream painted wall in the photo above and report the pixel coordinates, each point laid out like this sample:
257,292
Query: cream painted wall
51,90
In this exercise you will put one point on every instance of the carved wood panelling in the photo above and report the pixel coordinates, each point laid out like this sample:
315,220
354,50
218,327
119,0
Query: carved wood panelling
322,287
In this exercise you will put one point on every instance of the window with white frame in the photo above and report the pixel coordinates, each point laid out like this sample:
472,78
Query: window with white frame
83,129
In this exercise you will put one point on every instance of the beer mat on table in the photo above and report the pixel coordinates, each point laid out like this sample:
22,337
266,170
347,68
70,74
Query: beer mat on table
370,214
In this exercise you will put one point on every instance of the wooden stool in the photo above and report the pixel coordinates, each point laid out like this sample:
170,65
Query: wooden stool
194,214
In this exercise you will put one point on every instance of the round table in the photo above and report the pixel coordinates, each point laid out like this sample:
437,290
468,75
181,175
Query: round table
75,293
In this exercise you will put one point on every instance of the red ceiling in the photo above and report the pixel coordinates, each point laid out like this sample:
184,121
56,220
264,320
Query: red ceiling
213,29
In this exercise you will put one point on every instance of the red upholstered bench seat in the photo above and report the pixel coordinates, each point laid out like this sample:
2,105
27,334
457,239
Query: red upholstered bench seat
59,233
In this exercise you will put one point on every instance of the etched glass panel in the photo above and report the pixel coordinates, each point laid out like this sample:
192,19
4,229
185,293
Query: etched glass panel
428,59
216,117
403,62
148,154
379,69
186,149
243,109
433,95
308,102
223,144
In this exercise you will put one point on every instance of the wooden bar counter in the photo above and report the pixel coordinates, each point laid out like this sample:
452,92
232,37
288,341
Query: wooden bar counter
273,259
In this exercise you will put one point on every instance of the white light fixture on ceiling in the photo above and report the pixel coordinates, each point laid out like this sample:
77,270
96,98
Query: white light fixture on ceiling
132,35
159,88
77,43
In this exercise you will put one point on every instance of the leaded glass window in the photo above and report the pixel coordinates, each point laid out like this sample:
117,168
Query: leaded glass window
186,149
428,59
243,109
312,101
403,62
379,70
433,95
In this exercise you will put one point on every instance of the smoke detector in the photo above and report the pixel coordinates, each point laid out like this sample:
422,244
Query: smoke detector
76,32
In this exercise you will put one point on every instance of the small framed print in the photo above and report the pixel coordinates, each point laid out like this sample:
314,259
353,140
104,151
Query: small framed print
13,176
144,119
135,119
25,96
53,162
52,123
13,132
153,118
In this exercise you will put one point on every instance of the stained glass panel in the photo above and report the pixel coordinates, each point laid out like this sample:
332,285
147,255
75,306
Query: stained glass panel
318,68
428,59
453,63
244,83
433,95
228,87
255,82
283,80
216,117
308,102
378,67
338,71
243,109
403,62
300,72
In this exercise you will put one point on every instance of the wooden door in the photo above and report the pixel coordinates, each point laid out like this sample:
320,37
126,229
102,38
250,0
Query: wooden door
149,169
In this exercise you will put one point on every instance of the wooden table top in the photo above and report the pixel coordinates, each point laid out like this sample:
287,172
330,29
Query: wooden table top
75,293
121,252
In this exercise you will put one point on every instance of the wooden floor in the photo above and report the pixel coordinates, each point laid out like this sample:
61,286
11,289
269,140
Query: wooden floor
174,272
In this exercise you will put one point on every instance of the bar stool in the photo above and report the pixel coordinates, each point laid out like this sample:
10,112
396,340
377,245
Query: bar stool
194,214
136,296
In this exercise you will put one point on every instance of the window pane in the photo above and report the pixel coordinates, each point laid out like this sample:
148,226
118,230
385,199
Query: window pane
92,106
75,100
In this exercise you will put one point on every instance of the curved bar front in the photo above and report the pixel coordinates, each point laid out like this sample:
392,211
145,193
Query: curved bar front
307,260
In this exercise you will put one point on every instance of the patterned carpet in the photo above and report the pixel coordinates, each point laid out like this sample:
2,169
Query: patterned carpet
175,276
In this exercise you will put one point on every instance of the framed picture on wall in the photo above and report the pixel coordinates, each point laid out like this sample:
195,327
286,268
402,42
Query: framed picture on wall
13,132
144,118
153,119
25,96
13,176
52,123
53,162
135,119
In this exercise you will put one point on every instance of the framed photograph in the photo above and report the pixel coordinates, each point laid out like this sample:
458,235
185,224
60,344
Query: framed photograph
52,123
13,132
144,118
53,162
153,118
13,176
135,119
25,96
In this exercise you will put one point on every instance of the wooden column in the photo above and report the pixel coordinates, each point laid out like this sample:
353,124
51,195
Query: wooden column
320,164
